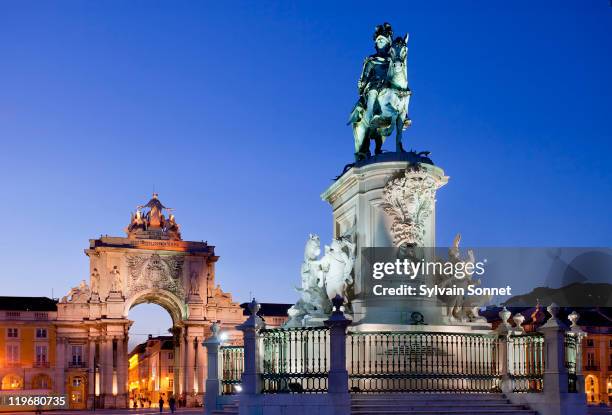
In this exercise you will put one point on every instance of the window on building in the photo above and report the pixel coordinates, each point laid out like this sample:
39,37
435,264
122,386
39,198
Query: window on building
590,343
170,383
41,382
590,359
170,369
170,355
12,332
77,354
12,353
41,353
41,333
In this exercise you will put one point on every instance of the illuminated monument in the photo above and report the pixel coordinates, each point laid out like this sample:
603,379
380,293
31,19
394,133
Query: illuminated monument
150,264
385,200
341,348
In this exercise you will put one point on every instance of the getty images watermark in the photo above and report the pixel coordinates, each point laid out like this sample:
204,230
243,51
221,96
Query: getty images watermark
571,276
439,278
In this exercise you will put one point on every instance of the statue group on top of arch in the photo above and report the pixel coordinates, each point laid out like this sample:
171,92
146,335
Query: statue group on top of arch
322,279
384,94
150,218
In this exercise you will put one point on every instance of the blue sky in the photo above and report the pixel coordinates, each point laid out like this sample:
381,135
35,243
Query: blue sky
235,113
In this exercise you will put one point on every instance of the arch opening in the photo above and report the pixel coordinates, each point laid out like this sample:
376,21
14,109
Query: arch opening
156,319
163,298
591,386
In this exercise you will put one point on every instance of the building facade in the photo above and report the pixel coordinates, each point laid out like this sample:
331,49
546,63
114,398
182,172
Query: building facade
27,343
151,372
597,365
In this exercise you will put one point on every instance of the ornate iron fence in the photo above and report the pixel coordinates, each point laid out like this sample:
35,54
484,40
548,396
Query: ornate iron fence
526,362
295,360
405,361
571,358
232,366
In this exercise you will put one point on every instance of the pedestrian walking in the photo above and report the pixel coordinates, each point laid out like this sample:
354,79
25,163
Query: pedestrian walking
172,403
161,405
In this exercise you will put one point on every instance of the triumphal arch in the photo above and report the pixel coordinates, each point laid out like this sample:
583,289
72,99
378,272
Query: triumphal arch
150,264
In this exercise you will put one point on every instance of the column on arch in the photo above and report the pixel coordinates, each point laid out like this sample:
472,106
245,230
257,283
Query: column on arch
176,371
201,365
122,367
184,363
190,364
106,366
91,375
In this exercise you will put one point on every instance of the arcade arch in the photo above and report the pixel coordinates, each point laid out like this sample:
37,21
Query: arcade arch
12,381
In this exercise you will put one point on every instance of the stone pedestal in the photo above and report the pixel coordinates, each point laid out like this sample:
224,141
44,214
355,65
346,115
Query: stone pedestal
115,304
360,200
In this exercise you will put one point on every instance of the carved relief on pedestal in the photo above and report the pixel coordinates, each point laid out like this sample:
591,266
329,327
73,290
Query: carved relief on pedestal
409,200
155,271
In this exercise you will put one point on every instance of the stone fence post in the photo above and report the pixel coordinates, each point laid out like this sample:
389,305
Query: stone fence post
212,376
558,400
338,378
251,376
337,324
555,372
503,331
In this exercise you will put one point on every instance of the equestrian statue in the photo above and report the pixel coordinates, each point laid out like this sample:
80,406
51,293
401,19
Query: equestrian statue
384,95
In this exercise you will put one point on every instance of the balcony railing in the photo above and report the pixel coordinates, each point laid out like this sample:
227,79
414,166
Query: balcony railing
592,367
41,364
13,364
77,365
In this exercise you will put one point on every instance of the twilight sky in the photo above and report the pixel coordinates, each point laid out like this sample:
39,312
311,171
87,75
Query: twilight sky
235,113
